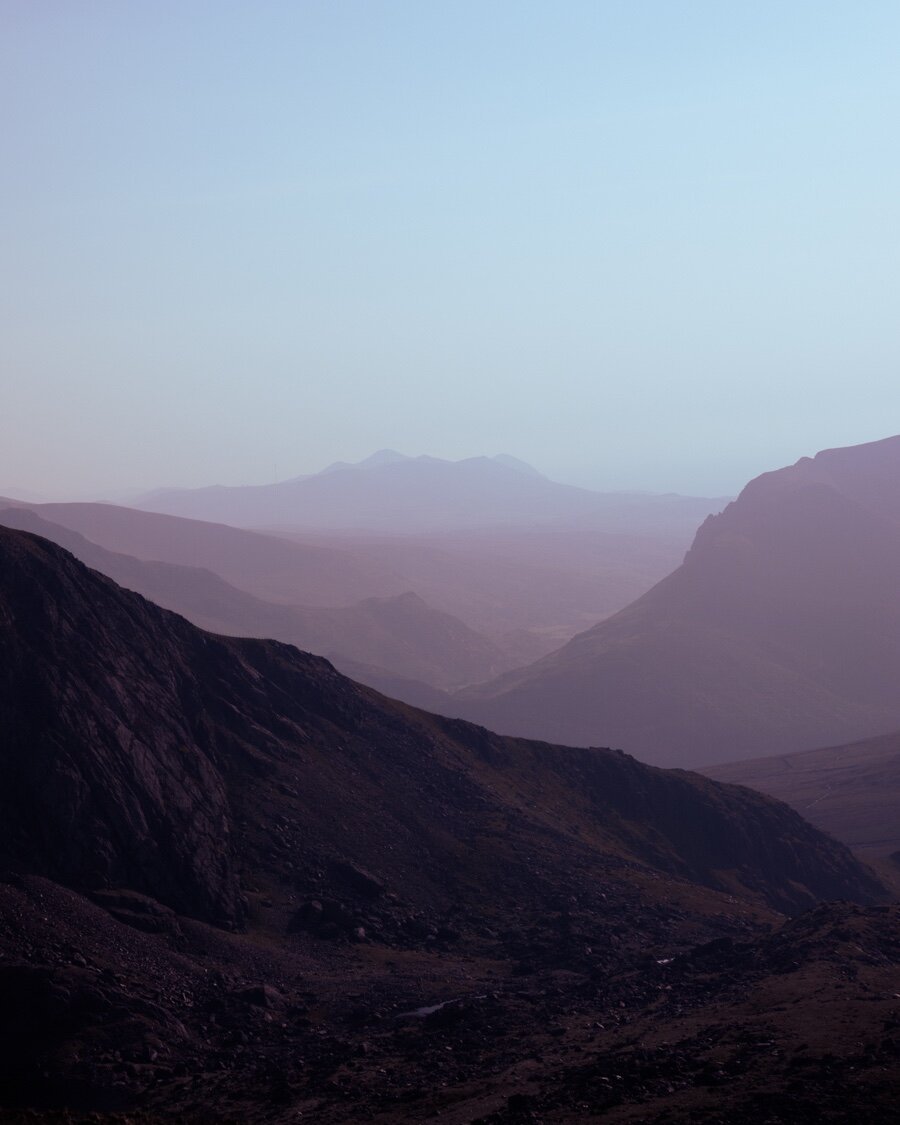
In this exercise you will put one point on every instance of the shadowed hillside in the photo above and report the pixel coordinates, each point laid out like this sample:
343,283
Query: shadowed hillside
850,792
401,905
133,732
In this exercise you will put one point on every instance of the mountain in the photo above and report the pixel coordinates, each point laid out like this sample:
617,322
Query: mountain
101,685
850,792
779,632
237,886
392,493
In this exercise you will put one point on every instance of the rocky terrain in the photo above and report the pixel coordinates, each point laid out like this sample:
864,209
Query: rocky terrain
238,887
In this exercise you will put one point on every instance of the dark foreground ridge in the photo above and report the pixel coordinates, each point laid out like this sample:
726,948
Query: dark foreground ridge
241,887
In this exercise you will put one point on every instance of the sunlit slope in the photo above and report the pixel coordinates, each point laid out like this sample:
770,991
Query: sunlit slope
780,631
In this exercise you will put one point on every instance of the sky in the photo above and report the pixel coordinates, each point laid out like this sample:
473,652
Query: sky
638,244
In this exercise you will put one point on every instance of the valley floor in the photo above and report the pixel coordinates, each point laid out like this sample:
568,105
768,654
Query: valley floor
190,1024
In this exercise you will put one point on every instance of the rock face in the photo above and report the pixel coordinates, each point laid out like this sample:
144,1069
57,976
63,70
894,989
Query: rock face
780,631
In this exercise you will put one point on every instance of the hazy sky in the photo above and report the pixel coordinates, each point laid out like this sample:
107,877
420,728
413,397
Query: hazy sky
639,244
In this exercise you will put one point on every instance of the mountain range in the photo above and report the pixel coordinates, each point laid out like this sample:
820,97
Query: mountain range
391,492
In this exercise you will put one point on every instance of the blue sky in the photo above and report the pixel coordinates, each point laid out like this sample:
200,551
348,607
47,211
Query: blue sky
641,244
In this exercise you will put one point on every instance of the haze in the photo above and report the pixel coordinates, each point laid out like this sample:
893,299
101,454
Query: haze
638,245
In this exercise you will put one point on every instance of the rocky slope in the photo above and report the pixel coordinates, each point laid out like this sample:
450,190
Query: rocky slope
235,878
780,631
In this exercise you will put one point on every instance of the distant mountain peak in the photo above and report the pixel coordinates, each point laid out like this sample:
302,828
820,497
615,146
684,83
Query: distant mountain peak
390,491
392,457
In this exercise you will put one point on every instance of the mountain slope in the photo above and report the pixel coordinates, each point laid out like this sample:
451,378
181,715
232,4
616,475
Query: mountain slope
527,589
780,631
851,792
549,581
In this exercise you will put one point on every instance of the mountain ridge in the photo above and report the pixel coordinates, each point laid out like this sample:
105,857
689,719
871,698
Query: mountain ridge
390,492
287,695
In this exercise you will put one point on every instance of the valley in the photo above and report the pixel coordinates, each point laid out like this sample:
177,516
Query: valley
449,554
276,892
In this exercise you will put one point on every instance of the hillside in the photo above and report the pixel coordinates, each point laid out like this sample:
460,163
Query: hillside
850,792
195,814
529,588
780,631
